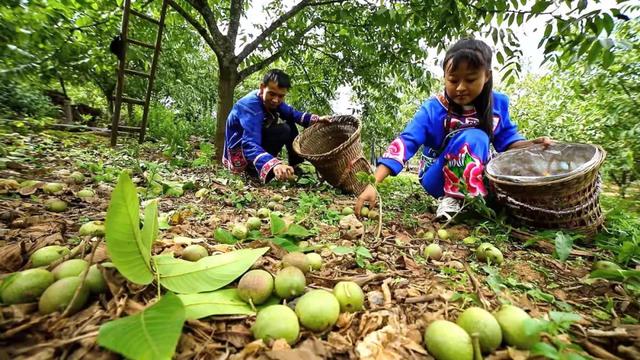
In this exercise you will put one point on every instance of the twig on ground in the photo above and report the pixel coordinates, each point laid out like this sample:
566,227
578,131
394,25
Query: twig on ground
55,343
597,351
476,287
619,333
422,298
82,281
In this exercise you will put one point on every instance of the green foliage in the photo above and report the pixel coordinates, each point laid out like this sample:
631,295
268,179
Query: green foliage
207,274
362,255
150,334
563,244
221,302
558,324
621,234
285,236
130,249
630,278
205,156
590,103
18,99
224,237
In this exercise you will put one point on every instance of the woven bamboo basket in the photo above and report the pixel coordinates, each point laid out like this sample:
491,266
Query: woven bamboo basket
567,201
334,149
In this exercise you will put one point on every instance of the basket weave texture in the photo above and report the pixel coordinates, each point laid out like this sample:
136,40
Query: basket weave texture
570,202
334,149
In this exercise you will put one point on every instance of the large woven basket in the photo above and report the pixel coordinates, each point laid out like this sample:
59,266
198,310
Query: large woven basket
563,200
334,149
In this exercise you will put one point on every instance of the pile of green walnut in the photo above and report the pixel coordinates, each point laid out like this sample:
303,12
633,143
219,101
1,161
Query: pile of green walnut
316,310
54,290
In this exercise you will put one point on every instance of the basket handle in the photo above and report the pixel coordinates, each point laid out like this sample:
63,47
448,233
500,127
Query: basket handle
347,169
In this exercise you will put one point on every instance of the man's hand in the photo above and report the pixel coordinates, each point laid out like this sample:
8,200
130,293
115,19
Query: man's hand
369,195
283,172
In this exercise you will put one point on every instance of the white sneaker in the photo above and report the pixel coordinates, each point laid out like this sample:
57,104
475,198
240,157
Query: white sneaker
448,207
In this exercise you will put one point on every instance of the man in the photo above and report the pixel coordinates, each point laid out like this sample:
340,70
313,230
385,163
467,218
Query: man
259,125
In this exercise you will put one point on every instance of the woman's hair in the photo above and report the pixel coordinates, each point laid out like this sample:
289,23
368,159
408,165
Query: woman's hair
477,55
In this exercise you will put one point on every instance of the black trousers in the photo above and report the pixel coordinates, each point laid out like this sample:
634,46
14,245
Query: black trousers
274,138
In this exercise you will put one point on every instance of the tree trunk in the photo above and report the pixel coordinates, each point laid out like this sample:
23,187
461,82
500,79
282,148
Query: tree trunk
227,81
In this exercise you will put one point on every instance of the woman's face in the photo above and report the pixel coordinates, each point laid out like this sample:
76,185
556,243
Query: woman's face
464,84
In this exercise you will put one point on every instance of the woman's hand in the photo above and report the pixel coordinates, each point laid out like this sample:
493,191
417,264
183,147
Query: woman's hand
369,195
543,140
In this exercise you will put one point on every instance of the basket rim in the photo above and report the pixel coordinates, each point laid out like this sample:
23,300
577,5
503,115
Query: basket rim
352,138
600,152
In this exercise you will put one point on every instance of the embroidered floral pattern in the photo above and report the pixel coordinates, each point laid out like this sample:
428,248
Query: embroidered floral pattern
462,123
267,167
468,167
395,151
236,162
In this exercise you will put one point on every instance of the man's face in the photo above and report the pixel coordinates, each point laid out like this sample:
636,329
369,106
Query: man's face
272,95
464,84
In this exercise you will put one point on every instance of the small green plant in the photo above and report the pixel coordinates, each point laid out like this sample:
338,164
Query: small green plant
558,348
205,156
285,236
362,256
629,278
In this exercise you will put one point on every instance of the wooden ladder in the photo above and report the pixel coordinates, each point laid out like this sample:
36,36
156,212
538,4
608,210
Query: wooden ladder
123,70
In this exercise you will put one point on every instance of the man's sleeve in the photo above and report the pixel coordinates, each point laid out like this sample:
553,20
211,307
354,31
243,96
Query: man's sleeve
290,114
418,132
251,144
505,132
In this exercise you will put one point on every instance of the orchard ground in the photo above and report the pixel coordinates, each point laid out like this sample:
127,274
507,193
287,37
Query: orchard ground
404,292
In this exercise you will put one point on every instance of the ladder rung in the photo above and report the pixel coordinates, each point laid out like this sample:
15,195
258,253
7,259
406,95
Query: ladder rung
140,43
145,17
136,72
132,100
129,128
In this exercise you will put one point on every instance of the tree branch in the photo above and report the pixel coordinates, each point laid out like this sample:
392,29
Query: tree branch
222,43
235,13
97,23
278,22
199,28
244,73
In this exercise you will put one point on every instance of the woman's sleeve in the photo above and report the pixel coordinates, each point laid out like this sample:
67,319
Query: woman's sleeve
422,130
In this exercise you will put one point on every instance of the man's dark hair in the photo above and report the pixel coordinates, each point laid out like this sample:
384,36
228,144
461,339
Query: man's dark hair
277,76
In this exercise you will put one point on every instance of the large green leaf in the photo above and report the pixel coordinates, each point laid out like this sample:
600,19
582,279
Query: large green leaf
221,302
149,229
224,237
278,226
207,274
128,251
151,334
286,244
563,243
297,231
